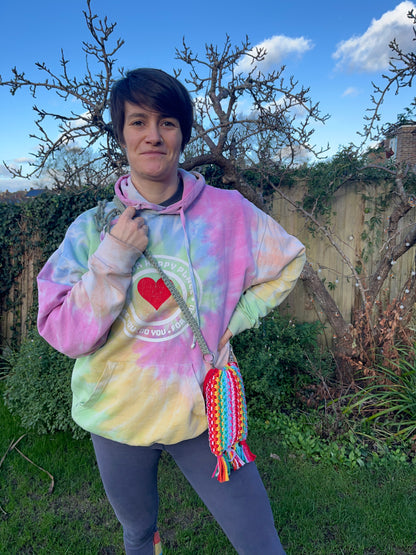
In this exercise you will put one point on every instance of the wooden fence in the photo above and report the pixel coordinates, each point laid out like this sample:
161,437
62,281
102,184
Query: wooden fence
351,214
350,223
13,321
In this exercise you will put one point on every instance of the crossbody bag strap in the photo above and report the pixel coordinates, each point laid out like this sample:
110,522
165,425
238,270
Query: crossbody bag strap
193,324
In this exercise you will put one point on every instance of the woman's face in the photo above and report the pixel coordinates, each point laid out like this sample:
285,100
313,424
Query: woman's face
153,145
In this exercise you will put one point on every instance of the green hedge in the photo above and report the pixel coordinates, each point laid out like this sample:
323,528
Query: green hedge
278,360
38,223
38,387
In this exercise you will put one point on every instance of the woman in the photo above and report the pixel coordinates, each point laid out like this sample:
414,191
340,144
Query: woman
138,374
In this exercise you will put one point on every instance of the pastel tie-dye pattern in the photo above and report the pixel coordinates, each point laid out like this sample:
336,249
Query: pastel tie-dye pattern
137,379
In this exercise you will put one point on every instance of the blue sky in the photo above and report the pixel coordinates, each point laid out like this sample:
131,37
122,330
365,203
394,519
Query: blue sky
335,49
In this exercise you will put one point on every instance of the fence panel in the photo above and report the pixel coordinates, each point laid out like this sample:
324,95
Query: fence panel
350,220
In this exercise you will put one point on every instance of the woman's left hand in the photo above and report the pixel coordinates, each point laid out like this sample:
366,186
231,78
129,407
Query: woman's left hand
224,339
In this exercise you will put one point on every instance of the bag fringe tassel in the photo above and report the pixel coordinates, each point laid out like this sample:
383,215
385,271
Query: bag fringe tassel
232,459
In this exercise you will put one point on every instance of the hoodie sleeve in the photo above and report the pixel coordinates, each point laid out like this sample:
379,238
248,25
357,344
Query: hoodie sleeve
81,294
280,258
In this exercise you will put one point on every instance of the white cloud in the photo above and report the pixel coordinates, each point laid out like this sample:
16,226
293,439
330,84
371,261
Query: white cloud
277,48
13,164
3,171
7,183
350,91
370,52
25,160
12,184
297,156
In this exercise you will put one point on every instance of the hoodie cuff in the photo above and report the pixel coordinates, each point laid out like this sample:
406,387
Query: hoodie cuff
117,254
239,322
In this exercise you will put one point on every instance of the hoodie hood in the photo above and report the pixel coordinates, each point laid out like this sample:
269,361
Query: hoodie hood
193,185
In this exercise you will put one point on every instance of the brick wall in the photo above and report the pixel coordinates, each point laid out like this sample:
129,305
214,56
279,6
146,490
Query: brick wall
403,144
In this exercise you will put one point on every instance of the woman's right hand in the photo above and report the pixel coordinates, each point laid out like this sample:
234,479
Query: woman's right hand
131,229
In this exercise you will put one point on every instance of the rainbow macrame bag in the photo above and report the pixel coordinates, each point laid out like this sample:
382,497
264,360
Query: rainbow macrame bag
227,419
224,398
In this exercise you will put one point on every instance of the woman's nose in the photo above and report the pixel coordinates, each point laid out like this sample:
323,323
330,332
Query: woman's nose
153,134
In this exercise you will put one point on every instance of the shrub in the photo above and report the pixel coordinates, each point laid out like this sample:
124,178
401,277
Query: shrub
387,400
299,434
37,388
277,360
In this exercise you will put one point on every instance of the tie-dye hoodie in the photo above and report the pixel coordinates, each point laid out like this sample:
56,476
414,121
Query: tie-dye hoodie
138,374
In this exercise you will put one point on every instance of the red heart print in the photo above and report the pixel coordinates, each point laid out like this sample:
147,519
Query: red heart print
154,292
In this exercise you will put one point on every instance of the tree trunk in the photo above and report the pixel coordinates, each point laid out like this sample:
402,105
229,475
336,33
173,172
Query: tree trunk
343,340
343,355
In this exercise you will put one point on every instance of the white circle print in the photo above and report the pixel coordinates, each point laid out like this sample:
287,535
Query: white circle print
167,320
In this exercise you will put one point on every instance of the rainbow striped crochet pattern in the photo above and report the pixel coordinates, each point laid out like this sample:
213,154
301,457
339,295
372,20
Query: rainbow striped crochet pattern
227,419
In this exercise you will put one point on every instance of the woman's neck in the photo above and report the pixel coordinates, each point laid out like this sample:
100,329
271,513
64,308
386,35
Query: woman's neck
155,191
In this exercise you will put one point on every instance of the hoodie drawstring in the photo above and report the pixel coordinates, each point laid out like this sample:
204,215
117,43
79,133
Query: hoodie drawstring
191,268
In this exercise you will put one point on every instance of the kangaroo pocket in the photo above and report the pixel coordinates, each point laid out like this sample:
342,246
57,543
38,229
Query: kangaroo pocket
143,405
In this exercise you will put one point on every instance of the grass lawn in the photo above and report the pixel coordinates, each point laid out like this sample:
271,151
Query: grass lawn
318,509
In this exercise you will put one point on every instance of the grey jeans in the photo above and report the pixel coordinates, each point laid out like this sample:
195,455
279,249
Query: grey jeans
240,506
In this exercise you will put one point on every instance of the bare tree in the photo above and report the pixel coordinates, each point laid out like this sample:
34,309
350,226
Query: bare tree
280,121
73,166
278,114
376,325
402,70
87,126
245,117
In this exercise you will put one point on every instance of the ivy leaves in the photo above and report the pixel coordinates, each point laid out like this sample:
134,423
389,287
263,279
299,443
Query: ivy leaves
33,229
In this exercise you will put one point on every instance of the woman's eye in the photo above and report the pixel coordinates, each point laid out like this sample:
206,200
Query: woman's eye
137,122
168,123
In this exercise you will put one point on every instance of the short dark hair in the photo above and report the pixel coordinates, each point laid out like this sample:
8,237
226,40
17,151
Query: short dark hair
153,89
